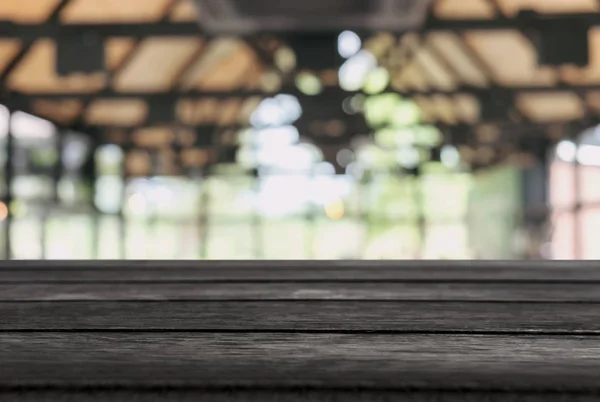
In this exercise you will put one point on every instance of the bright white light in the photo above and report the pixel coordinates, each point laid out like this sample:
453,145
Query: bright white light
450,156
349,44
409,157
327,189
281,195
588,155
24,125
325,169
290,105
566,150
276,136
355,70
281,155
316,155
289,158
268,113
137,203
278,111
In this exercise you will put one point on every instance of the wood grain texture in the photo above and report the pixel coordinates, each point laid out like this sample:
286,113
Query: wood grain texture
274,271
313,360
299,331
485,291
302,316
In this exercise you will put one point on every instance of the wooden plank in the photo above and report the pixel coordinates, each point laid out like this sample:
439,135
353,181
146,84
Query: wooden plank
444,109
154,137
467,108
9,48
156,64
294,395
211,111
593,102
117,50
37,73
463,9
120,112
551,106
215,53
184,11
87,11
61,111
282,271
512,7
27,11
448,45
313,360
400,316
438,76
227,68
520,68
138,163
550,293
229,112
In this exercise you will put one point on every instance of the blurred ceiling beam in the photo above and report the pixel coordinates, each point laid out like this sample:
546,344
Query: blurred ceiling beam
54,29
173,96
507,128
9,29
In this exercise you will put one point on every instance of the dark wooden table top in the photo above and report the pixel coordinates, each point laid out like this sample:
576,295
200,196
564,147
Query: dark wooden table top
299,331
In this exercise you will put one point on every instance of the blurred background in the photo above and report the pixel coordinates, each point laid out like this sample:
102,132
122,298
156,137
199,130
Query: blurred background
321,129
